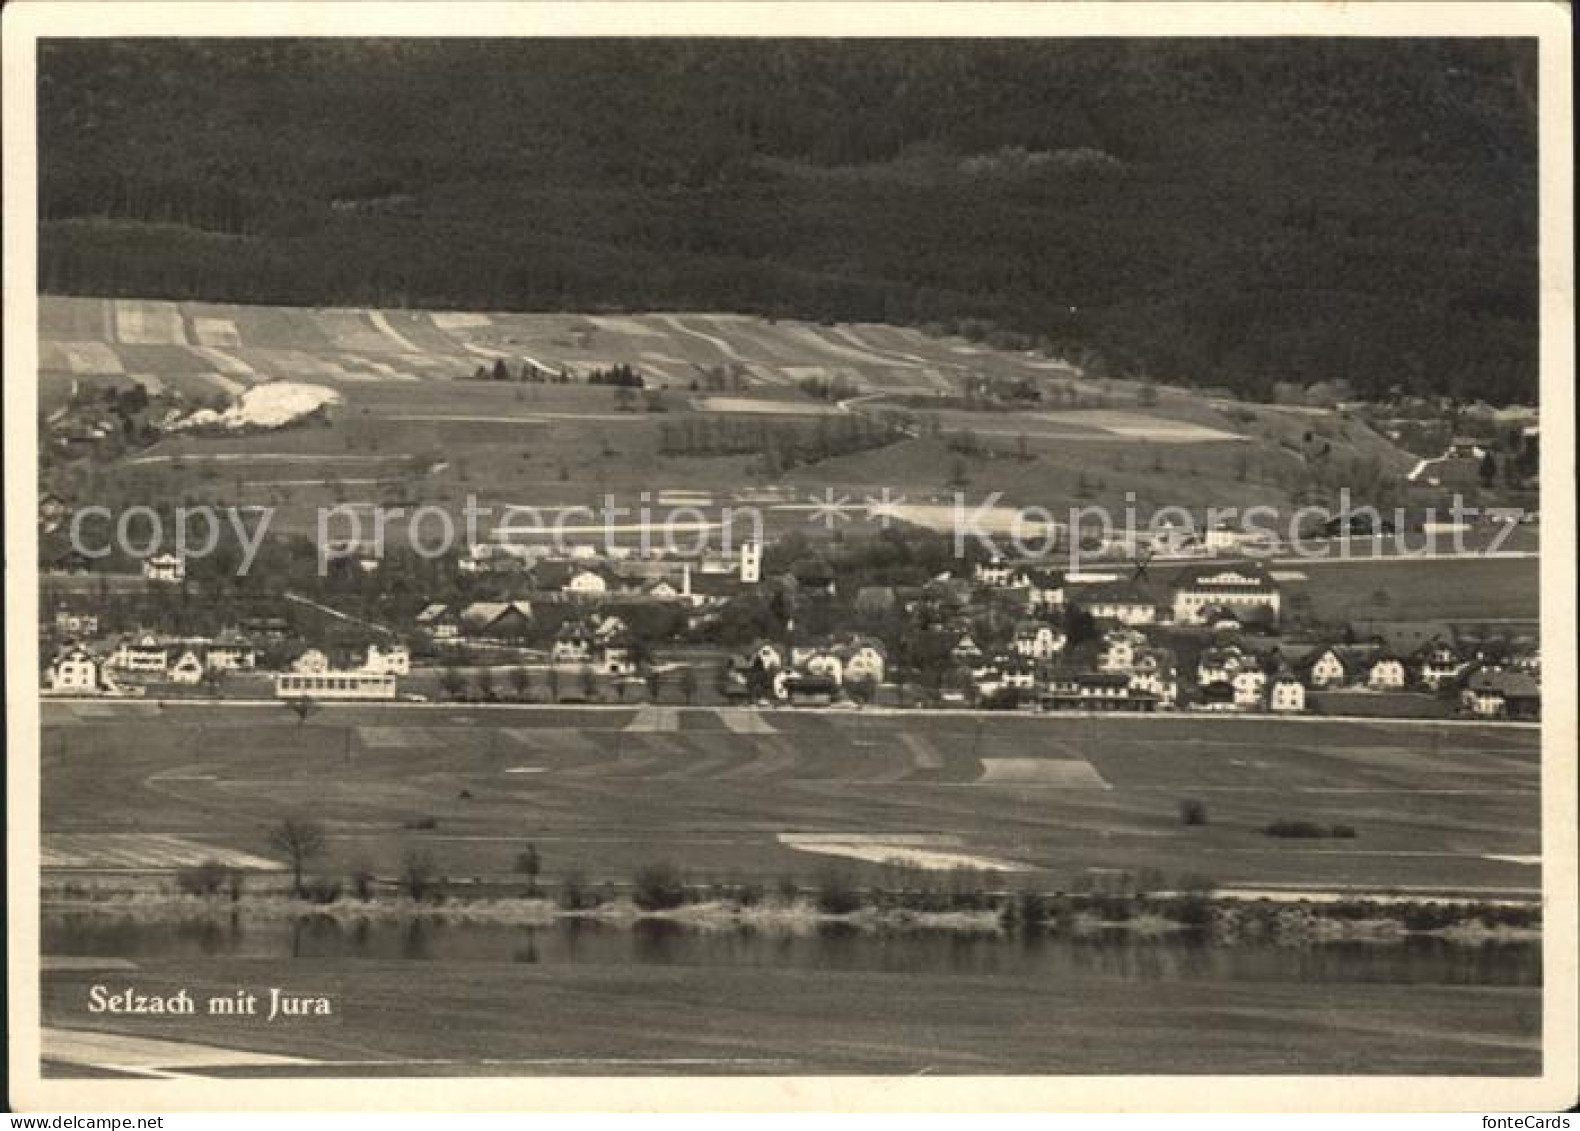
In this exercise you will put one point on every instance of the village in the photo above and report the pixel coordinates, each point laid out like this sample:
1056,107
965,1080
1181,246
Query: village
788,627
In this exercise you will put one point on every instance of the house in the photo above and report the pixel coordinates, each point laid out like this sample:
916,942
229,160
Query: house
1153,671
660,589
1221,665
1120,647
763,654
993,573
145,654
1328,668
165,568
1038,640
394,659
311,662
77,671
1095,691
69,623
611,628
864,660
440,622
1286,694
1248,684
497,619
613,657
1127,602
818,661
1245,591
1438,664
328,684
1215,697
1006,674
1496,694
587,584
573,644
1046,593
230,652
187,668
1385,673
965,649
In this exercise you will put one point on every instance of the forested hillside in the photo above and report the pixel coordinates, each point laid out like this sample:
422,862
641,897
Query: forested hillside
1217,212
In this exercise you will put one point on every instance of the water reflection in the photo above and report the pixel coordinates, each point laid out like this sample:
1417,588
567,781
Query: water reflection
1118,955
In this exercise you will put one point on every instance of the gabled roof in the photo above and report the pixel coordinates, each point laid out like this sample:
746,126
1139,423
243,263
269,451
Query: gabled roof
1125,592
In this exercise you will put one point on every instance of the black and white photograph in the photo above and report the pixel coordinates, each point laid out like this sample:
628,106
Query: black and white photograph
723,544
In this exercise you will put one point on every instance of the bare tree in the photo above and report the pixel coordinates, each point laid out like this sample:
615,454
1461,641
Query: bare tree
300,842
301,706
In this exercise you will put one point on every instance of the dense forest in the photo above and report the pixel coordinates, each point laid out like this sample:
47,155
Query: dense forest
1219,212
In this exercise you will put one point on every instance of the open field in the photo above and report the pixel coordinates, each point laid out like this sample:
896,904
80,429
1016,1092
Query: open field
1440,807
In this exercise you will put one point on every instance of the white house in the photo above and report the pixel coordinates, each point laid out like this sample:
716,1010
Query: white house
1286,695
1240,590
392,660
751,562
1120,648
1248,684
168,568
766,655
69,623
78,671
1439,664
231,654
1036,640
187,669
1121,601
864,660
573,644
144,655
1327,670
311,662
587,583
439,621
1386,673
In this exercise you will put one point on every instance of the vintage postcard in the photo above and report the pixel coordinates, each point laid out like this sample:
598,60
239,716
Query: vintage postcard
732,556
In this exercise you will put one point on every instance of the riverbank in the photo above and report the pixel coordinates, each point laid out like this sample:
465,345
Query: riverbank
1219,920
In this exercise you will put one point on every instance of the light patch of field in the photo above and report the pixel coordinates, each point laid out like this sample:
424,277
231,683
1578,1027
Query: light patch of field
459,320
81,357
400,738
111,851
1139,426
1530,861
526,769
1070,773
630,327
924,755
765,406
149,323
226,363
655,720
903,851
403,343
943,517
1286,575
147,1056
219,332
746,722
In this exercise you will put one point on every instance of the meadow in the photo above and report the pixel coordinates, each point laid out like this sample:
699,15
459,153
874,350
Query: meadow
726,794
